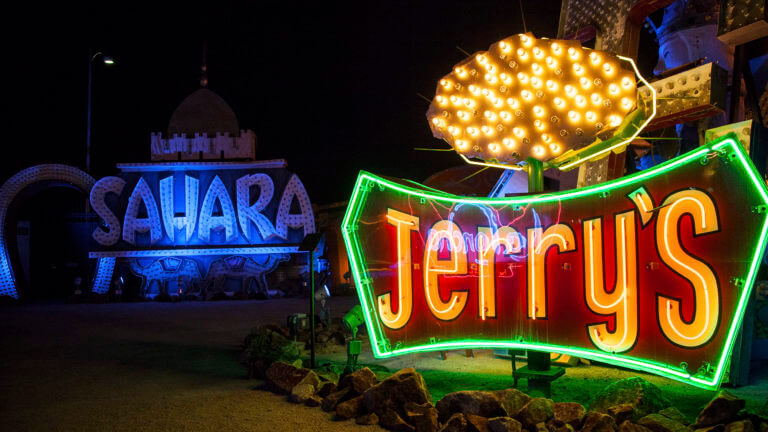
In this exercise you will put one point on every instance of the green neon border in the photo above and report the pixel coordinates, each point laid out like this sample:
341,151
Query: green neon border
366,181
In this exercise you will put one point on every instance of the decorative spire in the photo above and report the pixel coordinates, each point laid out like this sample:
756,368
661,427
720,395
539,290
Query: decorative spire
204,68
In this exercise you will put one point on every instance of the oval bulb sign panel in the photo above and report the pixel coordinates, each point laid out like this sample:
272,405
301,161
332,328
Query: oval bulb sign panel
651,271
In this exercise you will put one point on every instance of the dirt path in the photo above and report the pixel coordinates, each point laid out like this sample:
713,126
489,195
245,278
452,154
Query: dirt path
148,366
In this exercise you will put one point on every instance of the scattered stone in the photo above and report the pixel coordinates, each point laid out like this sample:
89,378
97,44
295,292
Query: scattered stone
298,363
367,419
313,401
542,427
740,426
283,331
324,388
456,423
350,408
536,411
555,426
264,346
721,409
480,403
423,417
392,420
621,413
335,398
393,393
476,423
598,422
301,392
570,413
511,400
282,377
674,414
659,423
359,381
644,397
504,424
628,426
337,338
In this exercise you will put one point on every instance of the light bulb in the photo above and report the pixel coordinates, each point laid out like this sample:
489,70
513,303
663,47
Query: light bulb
518,131
538,53
537,69
594,58
614,120
591,116
506,79
585,82
608,69
525,40
493,147
580,101
481,59
504,46
546,138
559,102
555,148
538,150
540,125
578,69
626,103
490,115
463,115
573,53
441,100
475,90
508,142
435,120
627,83
596,99
551,85
497,102
573,115
570,90
522,54
455,100
469,102
538,111
460,72
613,89
526,95
535,82
446,84
556,49
462,144
523,78
487,130
505,116
453,130
491,78
513,103
472,131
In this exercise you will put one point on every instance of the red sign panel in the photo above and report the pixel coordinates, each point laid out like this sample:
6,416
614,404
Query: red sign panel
651,271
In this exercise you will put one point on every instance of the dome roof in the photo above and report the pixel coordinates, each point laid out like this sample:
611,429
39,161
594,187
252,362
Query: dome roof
203,111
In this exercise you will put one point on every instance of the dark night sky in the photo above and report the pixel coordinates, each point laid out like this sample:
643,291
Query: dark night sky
329,86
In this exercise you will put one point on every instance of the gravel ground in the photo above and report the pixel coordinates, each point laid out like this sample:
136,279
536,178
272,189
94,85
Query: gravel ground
162,366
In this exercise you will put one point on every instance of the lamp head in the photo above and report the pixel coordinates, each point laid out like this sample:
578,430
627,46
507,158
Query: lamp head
109,60
353,320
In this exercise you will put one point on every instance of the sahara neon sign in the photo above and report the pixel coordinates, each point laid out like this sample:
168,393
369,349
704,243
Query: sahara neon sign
650,272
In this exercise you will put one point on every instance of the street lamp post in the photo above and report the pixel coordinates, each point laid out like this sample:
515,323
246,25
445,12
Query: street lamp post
108,61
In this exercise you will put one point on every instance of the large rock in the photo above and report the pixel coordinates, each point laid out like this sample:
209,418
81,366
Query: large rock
659,423
476,423
720,410
457,423
715,428
393,393
313,401
301,392
367,419
324,388
571,413
391,419
504,424
423,417
598,422
622,412
536,411
359,381
480,403
628,426
512,400
335,398
674,414
644,397
282,377
265,345
351,408
740,426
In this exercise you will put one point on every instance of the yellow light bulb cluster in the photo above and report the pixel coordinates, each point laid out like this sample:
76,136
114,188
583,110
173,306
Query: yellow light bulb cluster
528,97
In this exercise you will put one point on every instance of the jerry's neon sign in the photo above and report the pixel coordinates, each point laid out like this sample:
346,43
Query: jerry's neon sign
651,271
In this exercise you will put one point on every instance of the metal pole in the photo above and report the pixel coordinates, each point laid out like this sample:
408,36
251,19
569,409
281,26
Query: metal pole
535,175
312,310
